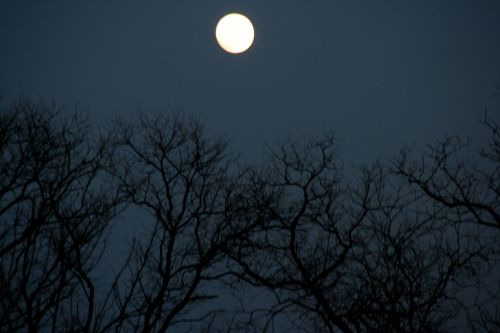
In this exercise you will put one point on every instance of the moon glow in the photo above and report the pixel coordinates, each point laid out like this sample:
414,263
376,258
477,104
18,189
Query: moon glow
235,33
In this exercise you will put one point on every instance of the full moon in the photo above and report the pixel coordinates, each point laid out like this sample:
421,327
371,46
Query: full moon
234,33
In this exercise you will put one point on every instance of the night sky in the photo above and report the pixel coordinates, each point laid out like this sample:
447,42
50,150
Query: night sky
381,74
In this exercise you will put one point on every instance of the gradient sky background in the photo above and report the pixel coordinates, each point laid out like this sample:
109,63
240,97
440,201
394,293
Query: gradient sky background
381,74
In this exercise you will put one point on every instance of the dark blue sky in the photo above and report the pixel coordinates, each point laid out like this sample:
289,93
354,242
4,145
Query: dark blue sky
380,73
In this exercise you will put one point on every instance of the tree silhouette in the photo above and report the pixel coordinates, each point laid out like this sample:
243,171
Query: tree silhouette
469,185
392,247
370,258
187,184
54,211
463,183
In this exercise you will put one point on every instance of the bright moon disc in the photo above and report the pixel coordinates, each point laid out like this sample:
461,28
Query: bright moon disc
234,33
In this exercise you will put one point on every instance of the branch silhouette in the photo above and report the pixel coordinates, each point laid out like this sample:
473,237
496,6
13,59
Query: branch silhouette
295,244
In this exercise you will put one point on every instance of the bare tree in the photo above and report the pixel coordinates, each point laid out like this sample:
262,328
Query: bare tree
299,247
54,211
414,262
463,183
393,249
186,183
338,258
458,178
